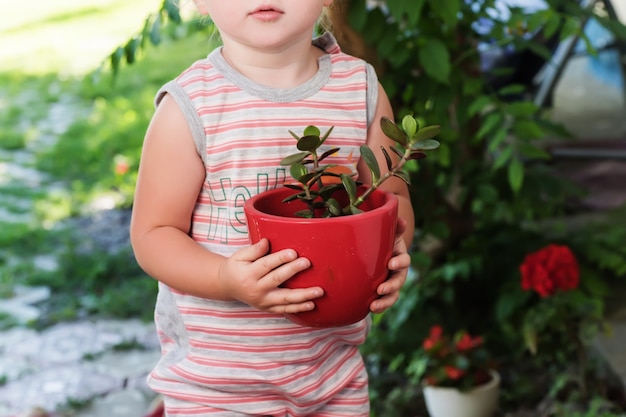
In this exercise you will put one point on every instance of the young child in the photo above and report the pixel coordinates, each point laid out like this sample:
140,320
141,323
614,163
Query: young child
216,138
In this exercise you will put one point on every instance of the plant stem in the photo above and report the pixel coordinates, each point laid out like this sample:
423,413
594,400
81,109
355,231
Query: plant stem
392,172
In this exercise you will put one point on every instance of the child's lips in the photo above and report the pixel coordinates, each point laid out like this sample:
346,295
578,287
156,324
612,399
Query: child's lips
267,14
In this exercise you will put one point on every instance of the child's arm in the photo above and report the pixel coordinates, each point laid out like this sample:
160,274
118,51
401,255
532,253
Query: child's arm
389,290
170,177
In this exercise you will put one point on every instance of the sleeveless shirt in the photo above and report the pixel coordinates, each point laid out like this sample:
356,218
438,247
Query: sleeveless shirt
227,354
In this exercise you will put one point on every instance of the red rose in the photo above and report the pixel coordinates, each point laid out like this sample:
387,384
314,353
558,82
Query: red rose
550,269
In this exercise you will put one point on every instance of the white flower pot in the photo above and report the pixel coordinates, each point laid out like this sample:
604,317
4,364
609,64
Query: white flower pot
450,402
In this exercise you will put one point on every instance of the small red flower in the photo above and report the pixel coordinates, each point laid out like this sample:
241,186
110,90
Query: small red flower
433,338
453,373
467,342
550,269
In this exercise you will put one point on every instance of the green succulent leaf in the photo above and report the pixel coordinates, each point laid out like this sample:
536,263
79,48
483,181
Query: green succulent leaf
417,155
393,132
350,186
427,132
293,187
425,145
409,125
328,153
403,176
296,137
323,138
355,210
387,158
309,143
311,131
333,207
398,151
370,159
294,159
311,177
298,171
304,213
291,198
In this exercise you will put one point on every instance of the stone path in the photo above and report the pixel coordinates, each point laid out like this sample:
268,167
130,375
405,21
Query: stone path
74,364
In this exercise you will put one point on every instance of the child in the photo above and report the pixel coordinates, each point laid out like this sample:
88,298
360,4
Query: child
216,138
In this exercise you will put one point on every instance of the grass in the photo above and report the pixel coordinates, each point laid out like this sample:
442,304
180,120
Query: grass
64,125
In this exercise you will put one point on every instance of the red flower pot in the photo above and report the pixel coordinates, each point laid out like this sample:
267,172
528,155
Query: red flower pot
348,254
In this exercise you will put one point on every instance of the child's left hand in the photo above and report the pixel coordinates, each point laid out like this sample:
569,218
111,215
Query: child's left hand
399,263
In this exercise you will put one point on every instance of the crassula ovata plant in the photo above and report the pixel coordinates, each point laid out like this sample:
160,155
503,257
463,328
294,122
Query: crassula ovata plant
316,183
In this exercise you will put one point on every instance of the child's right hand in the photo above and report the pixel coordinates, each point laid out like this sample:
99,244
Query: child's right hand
252,276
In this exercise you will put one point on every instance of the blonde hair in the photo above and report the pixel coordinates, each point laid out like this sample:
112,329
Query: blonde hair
325,22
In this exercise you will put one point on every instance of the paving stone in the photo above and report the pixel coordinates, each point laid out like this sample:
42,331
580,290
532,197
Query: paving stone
55,387
125,403
126,365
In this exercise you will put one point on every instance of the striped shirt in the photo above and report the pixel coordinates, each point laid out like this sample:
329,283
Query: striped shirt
229,355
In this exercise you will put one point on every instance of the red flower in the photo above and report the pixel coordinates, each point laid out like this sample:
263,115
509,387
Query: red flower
453,373
550,269
467,342
433,338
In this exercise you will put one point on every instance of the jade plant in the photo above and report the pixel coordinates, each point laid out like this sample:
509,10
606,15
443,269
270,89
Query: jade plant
317,183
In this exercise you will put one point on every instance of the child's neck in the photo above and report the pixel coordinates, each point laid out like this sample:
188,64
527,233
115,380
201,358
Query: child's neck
287,68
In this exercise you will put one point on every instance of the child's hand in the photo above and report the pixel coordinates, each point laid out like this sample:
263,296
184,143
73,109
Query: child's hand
252,276
399,263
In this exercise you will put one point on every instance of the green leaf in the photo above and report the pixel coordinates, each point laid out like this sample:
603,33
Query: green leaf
311,131
479,105
333,207
116,57
527,129
297,171
512,89
516,175
522,109
435,59
388,160
552,25
328,153
502,158
323,138
130,50
370,159
403,176
350,186
533,152
294,159
409,125
155,31
448,10
490,123
425,145
172,10
393,132
426,133
309,143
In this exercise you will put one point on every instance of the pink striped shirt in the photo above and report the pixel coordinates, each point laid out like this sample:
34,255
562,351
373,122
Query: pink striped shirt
227,354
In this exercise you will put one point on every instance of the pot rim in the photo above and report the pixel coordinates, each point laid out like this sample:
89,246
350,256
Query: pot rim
494,381
390,203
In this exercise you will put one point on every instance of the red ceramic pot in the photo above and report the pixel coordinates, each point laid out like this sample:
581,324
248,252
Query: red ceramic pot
348,254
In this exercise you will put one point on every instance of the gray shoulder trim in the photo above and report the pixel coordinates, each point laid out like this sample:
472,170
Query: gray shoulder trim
372,93
189,111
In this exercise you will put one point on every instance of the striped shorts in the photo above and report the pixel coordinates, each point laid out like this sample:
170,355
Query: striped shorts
351,401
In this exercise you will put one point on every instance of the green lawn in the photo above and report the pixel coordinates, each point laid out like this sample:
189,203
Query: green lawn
67,36
60,120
